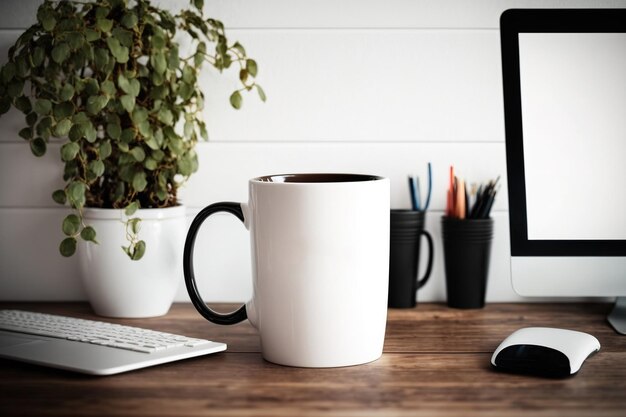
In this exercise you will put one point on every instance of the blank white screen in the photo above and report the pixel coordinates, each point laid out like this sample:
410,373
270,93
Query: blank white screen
573,93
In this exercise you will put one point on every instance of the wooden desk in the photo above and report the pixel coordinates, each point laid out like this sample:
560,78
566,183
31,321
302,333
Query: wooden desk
436,362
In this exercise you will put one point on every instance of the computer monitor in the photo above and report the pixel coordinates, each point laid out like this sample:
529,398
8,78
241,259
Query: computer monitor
564,78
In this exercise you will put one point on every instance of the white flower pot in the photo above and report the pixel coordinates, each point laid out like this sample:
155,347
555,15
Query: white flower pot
120,287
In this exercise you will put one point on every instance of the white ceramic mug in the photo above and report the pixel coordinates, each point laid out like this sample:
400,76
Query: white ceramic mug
320,262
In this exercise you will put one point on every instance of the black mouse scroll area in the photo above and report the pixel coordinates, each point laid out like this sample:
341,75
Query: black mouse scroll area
533,360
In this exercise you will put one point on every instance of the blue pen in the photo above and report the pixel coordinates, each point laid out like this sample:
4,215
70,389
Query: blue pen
413,197
418,193
430,186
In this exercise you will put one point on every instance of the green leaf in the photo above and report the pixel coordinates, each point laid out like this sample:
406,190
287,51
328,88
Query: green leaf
158,137
162,195
117,50
68,246
88,234
46,18
123,56
31,118
138,153
185,166
124,36
140,114
60,52
123,83
102,12
251,67
128,135
120,190
76,133
139,181
235,100
188,129
243,75
63,127
185,91
129,20
262,95
158,155
108,88
59,196
90,132
75,40
128,102
114,130
67,92
96,103
69,151
158,61
26,133
134,87
203,132
104,25
135,225
140,250
157,79
131,87
38,56
92,87
38,146
199,4
144,128
8,72
80,117
239,48
43,128
96,167
157,42
43,106
101,57
92,35
150,164
22,103
152,143
166,116
71,224
63,110
173,60
105,149
189,76
132,208
15,88
76,193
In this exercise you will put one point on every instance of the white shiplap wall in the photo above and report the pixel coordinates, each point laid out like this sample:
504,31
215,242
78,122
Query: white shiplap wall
376,86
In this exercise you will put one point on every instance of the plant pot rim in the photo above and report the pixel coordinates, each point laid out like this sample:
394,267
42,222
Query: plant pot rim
94,213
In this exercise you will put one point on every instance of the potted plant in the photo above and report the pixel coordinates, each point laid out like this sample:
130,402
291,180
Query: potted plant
110,83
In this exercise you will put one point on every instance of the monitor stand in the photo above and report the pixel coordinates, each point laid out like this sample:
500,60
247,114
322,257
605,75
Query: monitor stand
617,317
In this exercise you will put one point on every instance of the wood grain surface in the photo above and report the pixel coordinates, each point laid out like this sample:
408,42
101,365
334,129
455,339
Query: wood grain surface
436,362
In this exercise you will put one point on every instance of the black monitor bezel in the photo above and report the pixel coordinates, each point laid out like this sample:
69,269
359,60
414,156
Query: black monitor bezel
513,22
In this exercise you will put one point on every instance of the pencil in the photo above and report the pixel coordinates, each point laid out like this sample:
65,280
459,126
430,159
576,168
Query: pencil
460,200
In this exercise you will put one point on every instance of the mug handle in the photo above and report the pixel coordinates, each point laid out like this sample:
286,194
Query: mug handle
190,280
420,282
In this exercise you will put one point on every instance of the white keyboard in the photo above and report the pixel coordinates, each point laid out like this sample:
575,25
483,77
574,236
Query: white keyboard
144,346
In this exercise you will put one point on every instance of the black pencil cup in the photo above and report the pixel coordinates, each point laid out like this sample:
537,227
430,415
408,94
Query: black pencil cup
466,252
407,228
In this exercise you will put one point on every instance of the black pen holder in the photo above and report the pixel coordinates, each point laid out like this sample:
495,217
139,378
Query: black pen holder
466,252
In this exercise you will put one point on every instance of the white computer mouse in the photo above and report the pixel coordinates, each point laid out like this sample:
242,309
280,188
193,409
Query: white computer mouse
544,351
